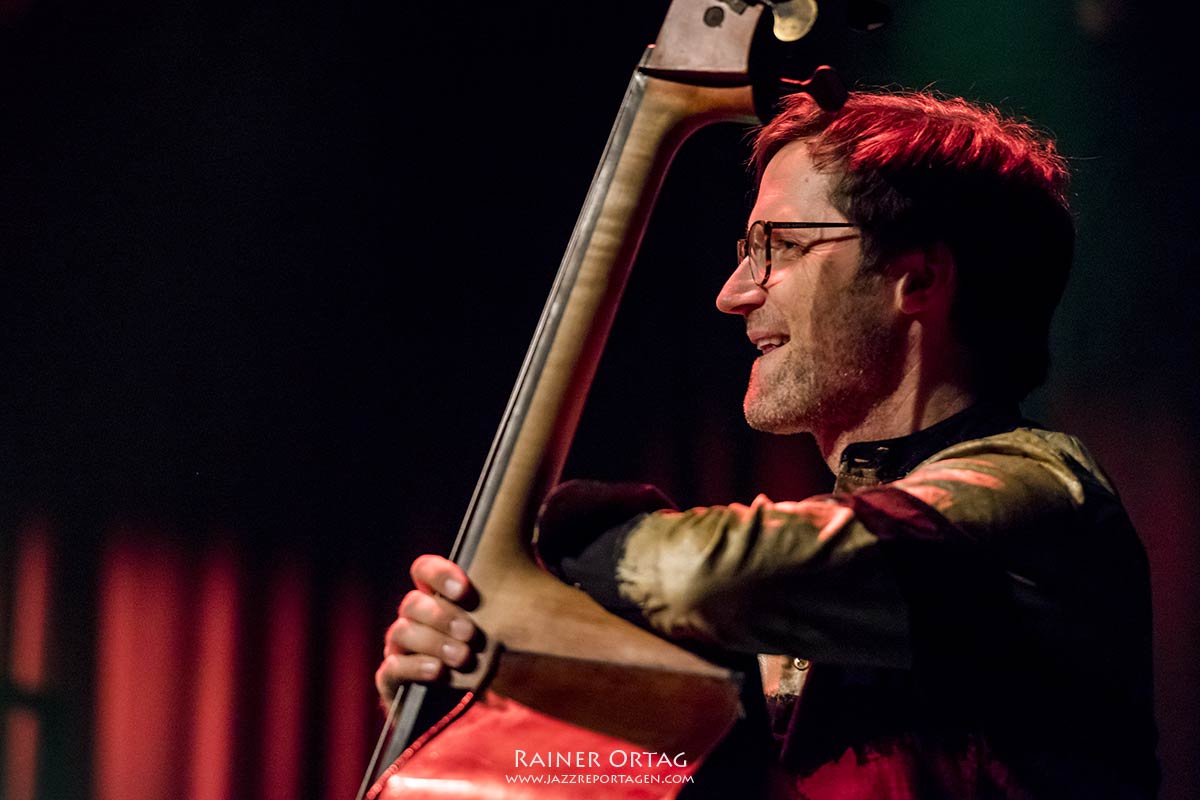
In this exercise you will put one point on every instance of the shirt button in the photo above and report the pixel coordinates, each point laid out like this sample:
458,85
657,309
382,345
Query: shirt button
801,663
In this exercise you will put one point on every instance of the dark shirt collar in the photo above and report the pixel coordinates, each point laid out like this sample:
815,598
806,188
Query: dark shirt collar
891,459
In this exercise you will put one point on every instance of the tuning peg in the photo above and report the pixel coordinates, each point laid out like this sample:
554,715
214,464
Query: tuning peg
793,18
825,86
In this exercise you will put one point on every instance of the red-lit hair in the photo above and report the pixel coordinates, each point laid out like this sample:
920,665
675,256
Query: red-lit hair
918,169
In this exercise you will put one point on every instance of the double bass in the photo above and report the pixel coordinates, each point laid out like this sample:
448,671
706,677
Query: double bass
556,668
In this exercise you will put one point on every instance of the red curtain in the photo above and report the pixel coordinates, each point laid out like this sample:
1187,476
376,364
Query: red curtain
209,679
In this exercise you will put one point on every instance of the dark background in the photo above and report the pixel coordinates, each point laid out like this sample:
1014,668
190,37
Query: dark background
267,272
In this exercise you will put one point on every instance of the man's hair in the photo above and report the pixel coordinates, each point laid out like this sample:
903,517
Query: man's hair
918,169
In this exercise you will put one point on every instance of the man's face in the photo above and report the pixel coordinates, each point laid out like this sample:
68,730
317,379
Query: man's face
829,341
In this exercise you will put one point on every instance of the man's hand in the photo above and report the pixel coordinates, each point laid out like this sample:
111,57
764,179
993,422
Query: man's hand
430,633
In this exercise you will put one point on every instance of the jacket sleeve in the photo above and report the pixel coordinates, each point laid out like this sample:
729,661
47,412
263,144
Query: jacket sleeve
862,578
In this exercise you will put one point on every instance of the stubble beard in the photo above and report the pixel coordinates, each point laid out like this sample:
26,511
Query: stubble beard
785,398
827,385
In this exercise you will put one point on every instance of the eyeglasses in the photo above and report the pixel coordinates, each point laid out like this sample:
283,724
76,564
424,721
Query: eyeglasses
762,238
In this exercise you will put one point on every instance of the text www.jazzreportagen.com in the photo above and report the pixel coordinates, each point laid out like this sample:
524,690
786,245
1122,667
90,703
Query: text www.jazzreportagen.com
584,778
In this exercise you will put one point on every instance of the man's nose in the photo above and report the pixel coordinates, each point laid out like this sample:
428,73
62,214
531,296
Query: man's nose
740,294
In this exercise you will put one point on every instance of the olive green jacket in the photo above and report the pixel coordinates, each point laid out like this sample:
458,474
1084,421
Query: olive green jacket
978,582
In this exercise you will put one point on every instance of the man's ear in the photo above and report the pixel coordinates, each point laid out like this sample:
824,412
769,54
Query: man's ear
925,279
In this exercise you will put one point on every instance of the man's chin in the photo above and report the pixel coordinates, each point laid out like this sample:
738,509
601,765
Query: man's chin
769,418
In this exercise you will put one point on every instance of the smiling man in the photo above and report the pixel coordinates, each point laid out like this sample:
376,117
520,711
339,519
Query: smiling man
967,614
831,352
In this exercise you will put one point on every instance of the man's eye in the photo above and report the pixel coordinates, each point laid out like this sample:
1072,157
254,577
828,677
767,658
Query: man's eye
790,247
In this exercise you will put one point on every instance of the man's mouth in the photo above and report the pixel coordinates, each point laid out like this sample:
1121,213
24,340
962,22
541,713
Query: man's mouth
767,343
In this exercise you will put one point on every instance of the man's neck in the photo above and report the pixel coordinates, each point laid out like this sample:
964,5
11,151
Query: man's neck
902,413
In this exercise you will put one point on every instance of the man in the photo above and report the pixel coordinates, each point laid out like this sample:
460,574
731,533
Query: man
967,615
